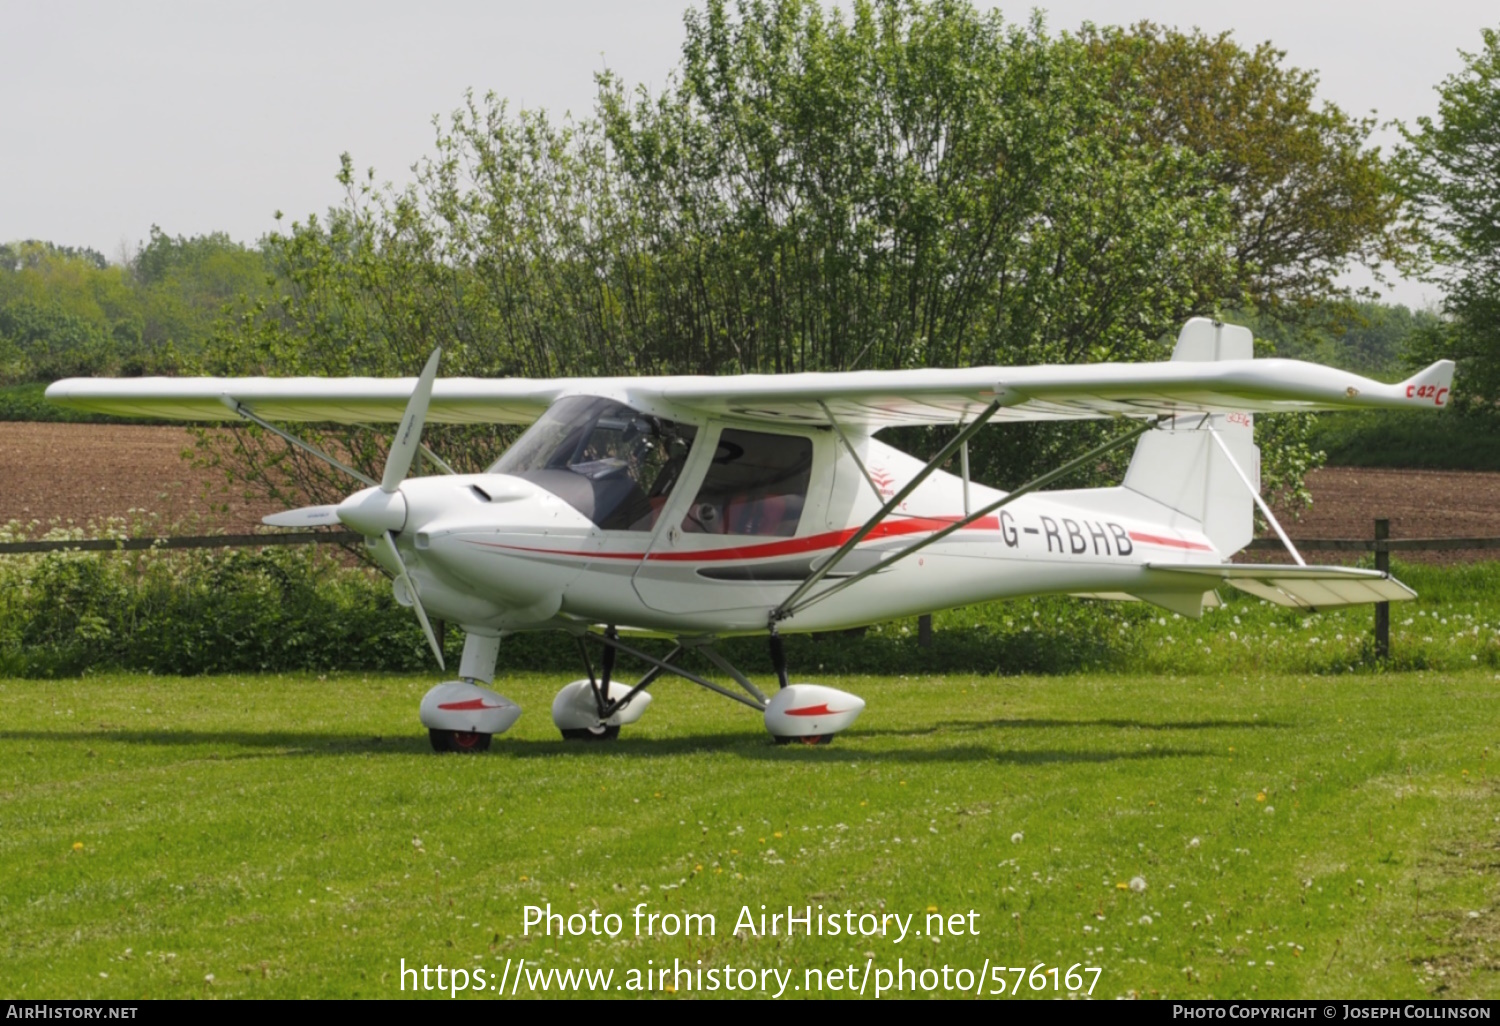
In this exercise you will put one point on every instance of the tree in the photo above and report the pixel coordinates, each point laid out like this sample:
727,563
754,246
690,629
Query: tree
1309,196
66,310
920,185
1449,168
908,184
18,256
917,184
185,285
62,311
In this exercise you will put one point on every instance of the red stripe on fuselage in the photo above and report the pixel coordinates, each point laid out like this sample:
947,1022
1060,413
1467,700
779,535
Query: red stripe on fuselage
1170,543
789,547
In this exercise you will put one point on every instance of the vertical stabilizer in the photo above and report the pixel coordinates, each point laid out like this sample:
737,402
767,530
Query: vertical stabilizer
1178,464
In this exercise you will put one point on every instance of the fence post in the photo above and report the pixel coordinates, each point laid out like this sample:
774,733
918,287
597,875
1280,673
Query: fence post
1382,609
924,630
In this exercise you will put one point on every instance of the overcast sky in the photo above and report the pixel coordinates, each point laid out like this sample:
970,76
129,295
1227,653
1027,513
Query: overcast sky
202,117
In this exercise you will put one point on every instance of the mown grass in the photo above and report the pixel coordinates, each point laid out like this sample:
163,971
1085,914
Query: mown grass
292,836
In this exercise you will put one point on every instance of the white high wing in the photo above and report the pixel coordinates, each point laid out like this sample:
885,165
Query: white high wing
701,507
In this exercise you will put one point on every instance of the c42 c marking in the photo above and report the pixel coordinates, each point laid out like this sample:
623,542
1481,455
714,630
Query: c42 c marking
1438,395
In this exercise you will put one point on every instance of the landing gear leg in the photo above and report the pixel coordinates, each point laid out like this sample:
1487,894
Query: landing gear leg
480,654
778,657
587,710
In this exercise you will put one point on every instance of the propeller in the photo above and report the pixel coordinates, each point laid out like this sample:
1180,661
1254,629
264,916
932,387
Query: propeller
397,463
409,434
380,513
390,558
377,510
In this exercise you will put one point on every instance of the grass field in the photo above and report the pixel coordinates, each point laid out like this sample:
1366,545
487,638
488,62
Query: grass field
293,836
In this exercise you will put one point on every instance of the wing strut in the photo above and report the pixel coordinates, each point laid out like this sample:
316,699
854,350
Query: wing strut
792,606
1254,494
839,430
244,411
436,460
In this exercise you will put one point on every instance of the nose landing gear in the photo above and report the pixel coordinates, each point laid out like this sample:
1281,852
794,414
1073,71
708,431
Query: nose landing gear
459,741
462,715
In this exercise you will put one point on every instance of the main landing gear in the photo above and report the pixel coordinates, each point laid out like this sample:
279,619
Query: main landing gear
596,708
464,715
808,714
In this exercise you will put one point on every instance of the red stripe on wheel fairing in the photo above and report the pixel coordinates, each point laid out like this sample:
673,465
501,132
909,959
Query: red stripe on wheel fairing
473,703
815,710
1170,543
790,547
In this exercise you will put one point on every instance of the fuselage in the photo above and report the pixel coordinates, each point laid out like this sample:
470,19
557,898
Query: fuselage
703,528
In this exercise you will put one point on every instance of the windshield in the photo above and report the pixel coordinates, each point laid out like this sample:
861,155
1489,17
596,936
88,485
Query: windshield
613,464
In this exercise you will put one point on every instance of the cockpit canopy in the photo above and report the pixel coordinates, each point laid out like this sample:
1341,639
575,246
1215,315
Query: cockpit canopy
618,467
613,464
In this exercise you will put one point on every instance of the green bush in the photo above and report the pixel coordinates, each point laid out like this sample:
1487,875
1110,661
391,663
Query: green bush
29,403
1415,439
290,609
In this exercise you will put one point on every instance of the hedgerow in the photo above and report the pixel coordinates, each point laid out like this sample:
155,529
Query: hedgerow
314,608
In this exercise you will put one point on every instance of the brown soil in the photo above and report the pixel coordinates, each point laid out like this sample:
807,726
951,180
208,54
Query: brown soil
1418,503
90,472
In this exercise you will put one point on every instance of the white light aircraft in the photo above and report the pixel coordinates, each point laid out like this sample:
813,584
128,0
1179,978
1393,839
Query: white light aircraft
704,507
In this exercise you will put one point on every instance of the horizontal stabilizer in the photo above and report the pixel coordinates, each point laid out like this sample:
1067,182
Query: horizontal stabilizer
1302,587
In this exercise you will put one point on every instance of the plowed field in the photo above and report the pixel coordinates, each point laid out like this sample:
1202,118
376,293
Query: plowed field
89,472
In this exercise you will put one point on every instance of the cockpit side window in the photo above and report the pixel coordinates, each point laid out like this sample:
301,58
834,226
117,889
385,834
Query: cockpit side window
757,484
613,464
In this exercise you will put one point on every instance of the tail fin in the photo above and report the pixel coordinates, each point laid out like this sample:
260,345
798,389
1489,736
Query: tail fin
1179,466
1430,387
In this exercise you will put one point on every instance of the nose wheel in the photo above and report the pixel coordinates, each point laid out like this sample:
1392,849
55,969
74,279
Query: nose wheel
461,716
459,740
